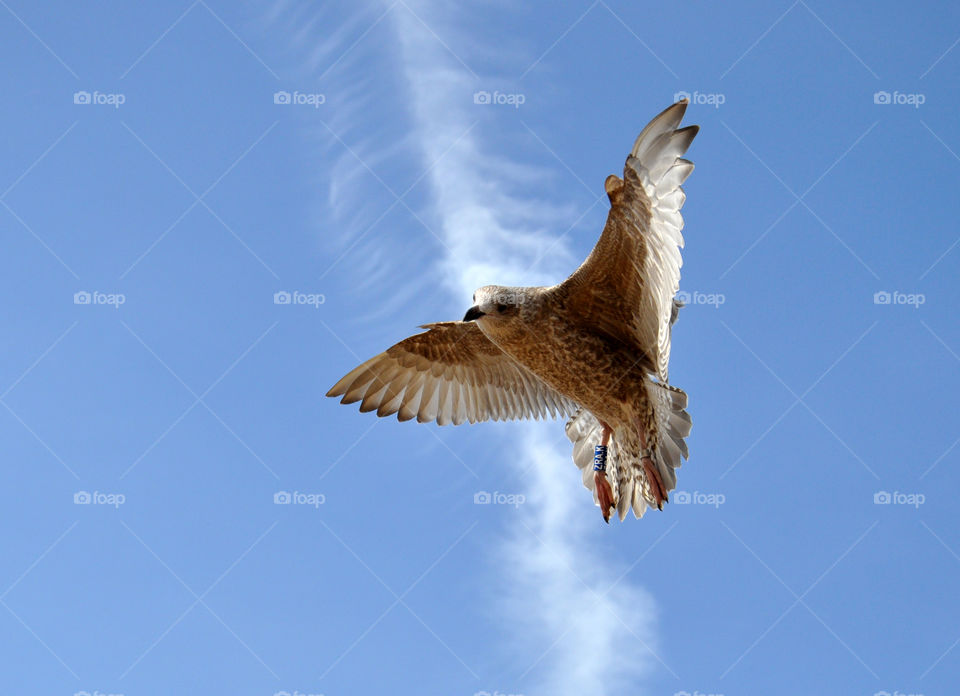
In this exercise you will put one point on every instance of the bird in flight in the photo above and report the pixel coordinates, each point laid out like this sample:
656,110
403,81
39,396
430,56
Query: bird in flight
594,348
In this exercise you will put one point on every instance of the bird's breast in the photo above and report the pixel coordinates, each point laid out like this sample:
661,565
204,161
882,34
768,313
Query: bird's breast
589,368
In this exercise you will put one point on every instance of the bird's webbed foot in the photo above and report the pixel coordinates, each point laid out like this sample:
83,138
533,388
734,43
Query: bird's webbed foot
604,495
657,489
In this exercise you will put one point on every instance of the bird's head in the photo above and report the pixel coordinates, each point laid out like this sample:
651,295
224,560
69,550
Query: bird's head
496,304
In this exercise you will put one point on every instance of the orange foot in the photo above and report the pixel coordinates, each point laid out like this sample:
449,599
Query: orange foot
604,495
656,484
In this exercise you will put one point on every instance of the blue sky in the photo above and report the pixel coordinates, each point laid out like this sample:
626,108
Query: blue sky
820,349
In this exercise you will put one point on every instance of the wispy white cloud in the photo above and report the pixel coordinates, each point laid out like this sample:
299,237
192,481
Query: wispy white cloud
359,161
580,631
582,628
490,231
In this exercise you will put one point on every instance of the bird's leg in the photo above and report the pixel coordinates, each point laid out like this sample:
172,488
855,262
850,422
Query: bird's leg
653,476
604,492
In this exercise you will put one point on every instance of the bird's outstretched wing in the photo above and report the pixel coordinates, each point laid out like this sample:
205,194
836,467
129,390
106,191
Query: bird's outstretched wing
451,373
626,286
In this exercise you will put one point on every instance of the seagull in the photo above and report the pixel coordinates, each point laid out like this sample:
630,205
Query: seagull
594,349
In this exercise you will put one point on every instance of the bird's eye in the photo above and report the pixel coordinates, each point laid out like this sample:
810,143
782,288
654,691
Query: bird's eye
501,308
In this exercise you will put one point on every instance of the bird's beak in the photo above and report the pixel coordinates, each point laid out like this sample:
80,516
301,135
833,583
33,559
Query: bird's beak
472,314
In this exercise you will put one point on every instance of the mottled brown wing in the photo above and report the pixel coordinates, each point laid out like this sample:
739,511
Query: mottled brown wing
451,373
626,286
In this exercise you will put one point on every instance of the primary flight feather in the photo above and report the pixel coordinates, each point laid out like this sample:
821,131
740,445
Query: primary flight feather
594,348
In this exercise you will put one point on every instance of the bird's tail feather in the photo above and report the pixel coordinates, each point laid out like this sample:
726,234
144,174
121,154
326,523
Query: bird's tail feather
673,425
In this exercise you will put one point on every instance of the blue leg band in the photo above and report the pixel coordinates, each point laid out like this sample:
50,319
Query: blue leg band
600,458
